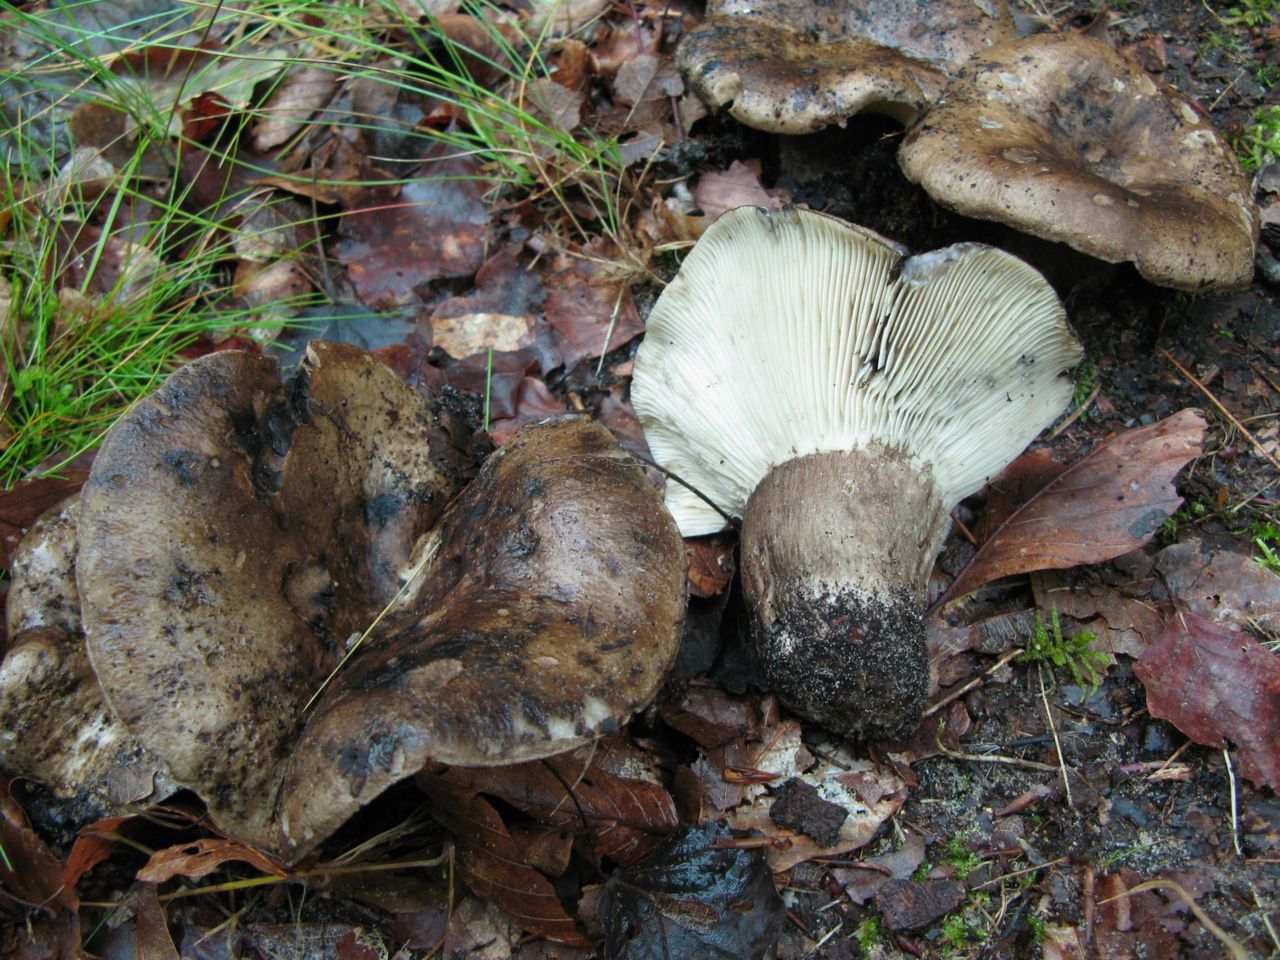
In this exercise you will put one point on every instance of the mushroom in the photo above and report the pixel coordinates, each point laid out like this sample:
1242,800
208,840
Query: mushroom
795,66
54,726
1064,138
800,374
239,537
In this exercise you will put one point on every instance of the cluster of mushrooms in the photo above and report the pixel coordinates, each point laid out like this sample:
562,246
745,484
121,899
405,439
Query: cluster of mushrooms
287,595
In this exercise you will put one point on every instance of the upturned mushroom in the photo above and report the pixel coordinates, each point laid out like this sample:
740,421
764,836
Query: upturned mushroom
795,66
1062,137
802,374
238,537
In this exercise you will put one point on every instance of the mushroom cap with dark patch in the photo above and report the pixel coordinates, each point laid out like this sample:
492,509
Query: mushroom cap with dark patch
234,531
944,33
1064,138
795,66
776,79
551,611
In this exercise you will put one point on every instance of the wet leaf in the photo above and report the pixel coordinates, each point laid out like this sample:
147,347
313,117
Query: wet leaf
154,941
1226,586
201,857
711,566
435,226
1111,502
692,899
92,846
588,308
492,864
497,314
1214,684
29,872
624,818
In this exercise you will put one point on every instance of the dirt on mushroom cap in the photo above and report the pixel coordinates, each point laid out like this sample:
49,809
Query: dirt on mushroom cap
1064,138
551,612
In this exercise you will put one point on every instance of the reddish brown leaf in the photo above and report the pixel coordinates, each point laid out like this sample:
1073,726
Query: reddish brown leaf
587,307
1214,684
202,857
1109,503
436,225
710,566
29,872
492,864
304,90
533,401
92,846
1017,483
625,818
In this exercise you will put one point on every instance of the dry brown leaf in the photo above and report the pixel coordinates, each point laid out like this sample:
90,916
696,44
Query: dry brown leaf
305,89
492,863
201,857
1111,502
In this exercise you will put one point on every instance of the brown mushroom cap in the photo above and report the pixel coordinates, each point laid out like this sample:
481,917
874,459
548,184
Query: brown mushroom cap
778,80
1062,137
234,532
795,66
54,725
552,609
237,534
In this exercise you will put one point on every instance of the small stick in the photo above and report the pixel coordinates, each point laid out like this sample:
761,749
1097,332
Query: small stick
995,758
1225,412
972,683
1075,414
1235,803
1053,729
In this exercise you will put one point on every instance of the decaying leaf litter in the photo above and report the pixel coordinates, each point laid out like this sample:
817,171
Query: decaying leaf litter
499,229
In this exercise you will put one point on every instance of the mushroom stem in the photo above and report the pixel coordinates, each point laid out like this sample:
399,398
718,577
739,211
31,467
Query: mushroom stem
836,552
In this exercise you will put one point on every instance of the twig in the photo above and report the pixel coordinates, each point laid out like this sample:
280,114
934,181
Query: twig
1234,946
995,758
1017,873
1223,410
1053,729
1235,803
1172,757
972,683
613,323
1076,413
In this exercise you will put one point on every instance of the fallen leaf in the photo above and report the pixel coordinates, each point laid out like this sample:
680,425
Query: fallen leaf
30,875
1214,684
1123,619
533,401
860,883
711,566
1226,586
304,90
1111,502
492,864
588,308
497,314
624,818
201,857
154,941
692,899
647,77
435,226
720,191
1016,484
92,846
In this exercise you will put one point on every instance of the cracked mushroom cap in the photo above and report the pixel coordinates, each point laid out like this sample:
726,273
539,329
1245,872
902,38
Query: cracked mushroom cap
54,725
552,607
233,533
1064,138
795,66
803,375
